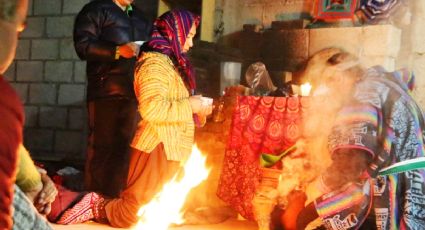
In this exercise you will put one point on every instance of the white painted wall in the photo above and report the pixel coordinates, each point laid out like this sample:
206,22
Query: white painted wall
260,12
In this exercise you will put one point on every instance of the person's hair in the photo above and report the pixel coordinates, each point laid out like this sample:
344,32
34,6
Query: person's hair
8,9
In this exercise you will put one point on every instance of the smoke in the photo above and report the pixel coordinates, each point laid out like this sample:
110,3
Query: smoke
333,74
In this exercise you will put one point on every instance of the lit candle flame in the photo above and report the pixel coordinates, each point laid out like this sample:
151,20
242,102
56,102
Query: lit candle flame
305,89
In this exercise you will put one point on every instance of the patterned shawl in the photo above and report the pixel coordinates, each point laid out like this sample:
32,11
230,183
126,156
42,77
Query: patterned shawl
168,37
375,10
383,120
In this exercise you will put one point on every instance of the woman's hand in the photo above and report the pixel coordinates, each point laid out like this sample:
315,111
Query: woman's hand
33,193
199,106
46,196
129,50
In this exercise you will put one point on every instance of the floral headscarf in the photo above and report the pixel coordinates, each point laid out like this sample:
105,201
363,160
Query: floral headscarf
168,37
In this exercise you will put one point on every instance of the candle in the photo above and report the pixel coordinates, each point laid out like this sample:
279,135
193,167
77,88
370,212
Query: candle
305,89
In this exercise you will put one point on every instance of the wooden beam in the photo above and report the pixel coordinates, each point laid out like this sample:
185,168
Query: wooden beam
162,7
207,25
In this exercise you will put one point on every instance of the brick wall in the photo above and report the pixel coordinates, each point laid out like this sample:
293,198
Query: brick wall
416,52
234,14
288,49
51,80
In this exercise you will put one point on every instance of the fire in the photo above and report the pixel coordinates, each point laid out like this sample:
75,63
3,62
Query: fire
305,89
165,207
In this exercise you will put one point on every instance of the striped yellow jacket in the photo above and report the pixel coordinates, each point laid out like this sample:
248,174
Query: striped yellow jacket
164,107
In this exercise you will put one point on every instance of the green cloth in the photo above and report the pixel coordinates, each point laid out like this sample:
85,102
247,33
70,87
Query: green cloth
128,9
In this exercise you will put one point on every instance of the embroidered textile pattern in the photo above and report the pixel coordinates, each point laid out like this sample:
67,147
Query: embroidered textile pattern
385,121
259,125
374,10
334,9
82,211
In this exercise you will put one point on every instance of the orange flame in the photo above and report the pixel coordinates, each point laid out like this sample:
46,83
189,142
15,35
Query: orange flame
165,208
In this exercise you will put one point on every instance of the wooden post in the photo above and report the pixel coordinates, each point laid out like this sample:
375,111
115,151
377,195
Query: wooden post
207,26
162,7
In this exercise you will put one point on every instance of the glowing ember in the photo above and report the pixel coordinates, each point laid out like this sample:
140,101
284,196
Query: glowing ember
305,89
164,209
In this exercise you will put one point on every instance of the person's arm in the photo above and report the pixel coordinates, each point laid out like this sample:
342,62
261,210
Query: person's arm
35,182
153,86
28,178
87,42
47,195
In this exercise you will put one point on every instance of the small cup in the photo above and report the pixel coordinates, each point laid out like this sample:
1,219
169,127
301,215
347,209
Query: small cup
206,101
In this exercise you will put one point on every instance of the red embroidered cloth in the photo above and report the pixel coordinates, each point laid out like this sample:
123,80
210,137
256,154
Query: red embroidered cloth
259,125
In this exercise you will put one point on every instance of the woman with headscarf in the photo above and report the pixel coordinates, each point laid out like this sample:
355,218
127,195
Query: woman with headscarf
164,84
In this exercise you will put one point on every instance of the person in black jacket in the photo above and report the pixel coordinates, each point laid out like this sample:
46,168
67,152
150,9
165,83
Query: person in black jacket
106,33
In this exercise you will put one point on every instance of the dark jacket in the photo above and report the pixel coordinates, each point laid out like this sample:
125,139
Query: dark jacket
99,28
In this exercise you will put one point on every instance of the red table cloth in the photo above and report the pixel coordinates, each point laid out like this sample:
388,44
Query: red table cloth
259,125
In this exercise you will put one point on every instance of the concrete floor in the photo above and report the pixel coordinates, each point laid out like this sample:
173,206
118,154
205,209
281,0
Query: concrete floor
230,224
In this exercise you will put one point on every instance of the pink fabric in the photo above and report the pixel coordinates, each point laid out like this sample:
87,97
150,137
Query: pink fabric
82,211
64,200
259,125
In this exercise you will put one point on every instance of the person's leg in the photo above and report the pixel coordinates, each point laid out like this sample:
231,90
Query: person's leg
82,211
126,118
88,182
112,124
147,174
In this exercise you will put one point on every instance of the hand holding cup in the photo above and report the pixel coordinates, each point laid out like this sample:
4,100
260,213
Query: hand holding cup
201,105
